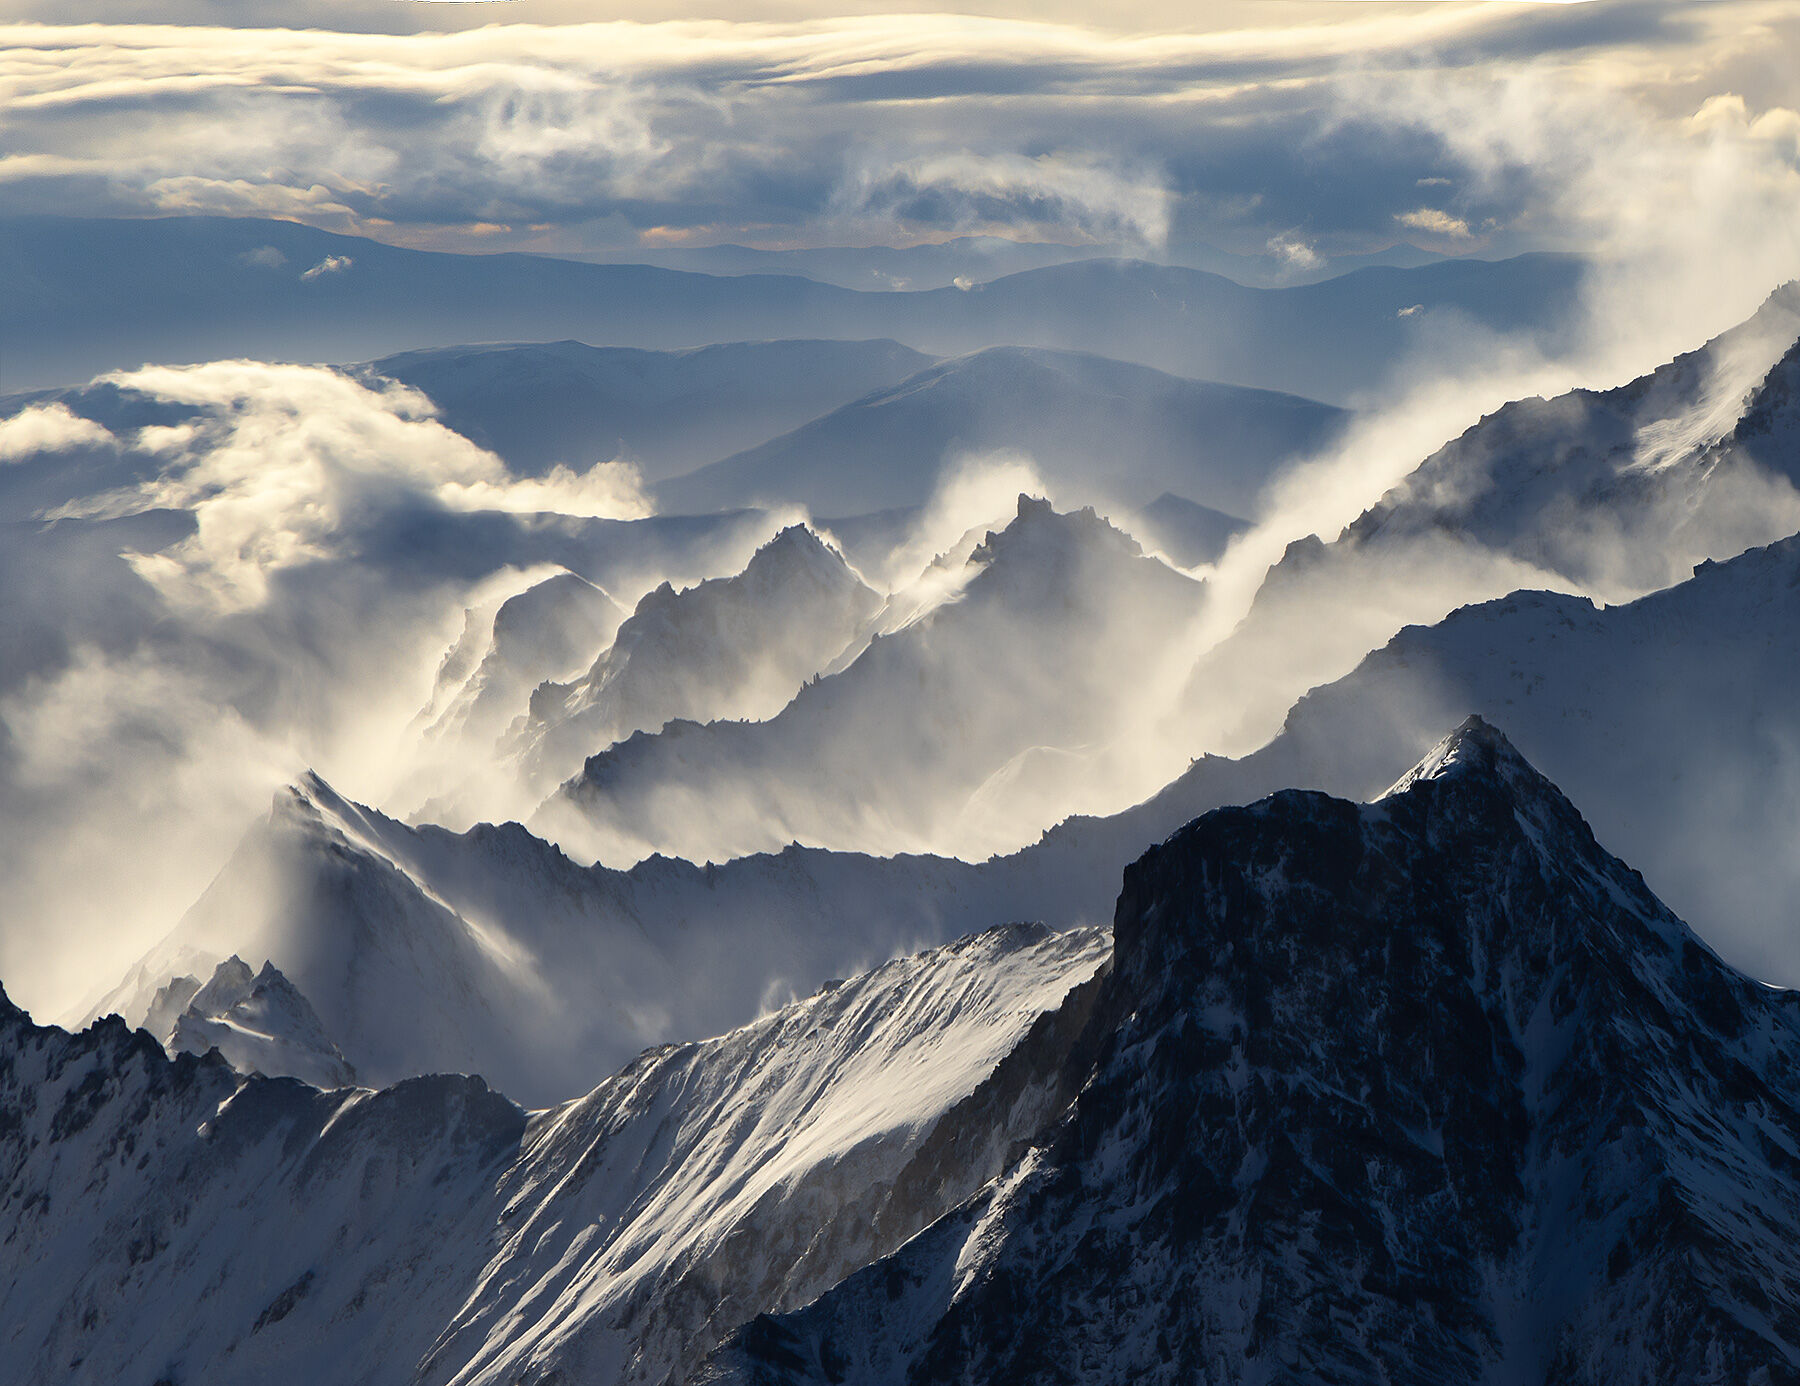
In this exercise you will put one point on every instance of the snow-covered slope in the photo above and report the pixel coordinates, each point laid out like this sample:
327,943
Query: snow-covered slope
168,1219
1431,1089
1099,432
490,952
538,405
1059,620
1624,490
259,1023
1613,493
737,647
1688,763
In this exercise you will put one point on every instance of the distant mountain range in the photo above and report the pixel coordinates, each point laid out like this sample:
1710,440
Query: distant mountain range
666,411
450,917
978,259
95,295
1041,641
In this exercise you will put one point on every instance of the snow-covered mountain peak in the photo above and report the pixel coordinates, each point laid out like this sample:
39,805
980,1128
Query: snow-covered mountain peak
1428,1089
1657,440
798,549
230,983
1474,748
1037,523
259,1023
1044,555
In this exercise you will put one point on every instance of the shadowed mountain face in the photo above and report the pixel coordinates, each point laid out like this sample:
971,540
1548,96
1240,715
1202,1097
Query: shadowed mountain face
94,295
1431,1089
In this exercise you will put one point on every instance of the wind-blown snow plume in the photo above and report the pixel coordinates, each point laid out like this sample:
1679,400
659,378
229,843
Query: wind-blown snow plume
271,565
1659,283
974,490
42,428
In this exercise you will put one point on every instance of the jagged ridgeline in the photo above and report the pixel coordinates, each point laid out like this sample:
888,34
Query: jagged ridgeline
1426,1090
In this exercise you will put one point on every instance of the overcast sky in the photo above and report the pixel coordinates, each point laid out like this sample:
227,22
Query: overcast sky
1313,129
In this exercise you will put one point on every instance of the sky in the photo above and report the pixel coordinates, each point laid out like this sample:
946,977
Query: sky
1304,131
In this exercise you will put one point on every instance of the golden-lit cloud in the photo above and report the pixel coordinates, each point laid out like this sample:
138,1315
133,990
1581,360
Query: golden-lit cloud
796,128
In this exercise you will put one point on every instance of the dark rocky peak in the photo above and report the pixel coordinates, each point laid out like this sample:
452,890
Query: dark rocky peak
1477,864
1430,1089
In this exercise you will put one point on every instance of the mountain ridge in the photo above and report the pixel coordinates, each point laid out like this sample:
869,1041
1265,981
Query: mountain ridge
1431,1088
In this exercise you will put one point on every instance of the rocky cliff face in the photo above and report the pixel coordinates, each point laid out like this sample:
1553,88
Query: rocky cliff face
1428,1090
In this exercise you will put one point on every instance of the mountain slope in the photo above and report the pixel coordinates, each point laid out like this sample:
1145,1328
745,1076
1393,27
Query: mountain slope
1613,493
183,1223
1098,431
1430,1089
1617,489
1584,690
736,647
1057,619
490,952
540,404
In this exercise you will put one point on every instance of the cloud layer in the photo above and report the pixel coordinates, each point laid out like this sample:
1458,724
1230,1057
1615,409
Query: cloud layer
1326,136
